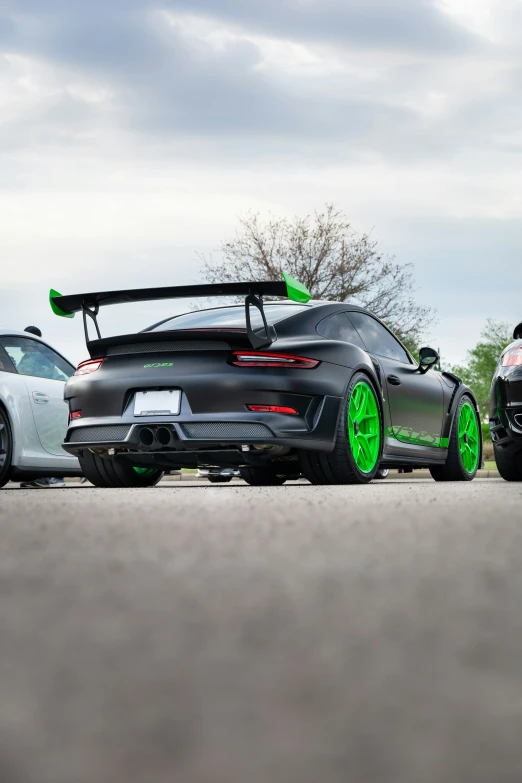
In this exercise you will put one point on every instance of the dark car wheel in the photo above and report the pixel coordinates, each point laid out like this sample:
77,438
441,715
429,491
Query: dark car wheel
6,448
111,472
355,458
217,479
382,473
464,448
509,465
262,477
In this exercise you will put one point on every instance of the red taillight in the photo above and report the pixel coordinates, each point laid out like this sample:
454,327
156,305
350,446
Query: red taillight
283,360
272,409
512,358
91,365
75,415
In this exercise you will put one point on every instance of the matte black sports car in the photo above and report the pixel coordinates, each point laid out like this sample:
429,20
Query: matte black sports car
505,410
276,389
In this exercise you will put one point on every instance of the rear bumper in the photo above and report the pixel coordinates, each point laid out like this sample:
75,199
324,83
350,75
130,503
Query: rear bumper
505,409
315,430
506,428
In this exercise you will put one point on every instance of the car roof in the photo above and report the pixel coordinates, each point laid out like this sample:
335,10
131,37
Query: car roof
268,303
17,333
325,304
514,344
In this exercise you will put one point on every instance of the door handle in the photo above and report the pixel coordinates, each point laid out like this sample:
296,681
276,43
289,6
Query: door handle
40,398
393,380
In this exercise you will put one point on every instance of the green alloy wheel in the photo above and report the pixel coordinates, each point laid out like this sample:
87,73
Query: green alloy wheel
469,443
358,446
465,445
364,427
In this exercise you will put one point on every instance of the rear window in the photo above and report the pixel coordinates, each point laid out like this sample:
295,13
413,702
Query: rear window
339,327
227,318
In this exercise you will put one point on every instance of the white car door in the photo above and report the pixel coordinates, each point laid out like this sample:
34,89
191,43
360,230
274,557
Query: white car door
51,413
44,372
13,394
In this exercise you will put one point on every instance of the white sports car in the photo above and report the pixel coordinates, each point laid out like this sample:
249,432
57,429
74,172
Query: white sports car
33,414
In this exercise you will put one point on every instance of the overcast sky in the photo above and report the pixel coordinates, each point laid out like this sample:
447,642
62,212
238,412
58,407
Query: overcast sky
133,132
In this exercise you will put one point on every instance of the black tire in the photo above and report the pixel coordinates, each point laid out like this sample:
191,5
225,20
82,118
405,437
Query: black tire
263,476
219,479
509,465
339,466
6,448
111,472
453,469
382,473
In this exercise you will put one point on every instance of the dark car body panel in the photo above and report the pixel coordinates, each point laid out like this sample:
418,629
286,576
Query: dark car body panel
214,390
505,403
214,426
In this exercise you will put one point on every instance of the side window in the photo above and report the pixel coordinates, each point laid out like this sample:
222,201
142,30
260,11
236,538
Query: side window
339,327
36,359
6,365
377,339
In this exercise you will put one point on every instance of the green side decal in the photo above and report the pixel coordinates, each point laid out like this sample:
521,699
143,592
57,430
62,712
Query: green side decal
469,441
364,430
296,290
56,310
407,435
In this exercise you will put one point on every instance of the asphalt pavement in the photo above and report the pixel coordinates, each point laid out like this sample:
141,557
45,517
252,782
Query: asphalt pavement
218,634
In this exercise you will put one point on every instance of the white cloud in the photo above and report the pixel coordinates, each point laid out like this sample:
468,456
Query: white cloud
278,57
476,15
497,21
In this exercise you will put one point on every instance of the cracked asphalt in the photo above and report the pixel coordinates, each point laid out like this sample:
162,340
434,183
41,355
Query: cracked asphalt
295,634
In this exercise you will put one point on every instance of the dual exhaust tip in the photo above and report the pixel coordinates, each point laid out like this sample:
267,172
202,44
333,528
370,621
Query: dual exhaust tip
155,438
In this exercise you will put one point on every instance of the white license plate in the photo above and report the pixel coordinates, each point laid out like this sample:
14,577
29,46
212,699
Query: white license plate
157,403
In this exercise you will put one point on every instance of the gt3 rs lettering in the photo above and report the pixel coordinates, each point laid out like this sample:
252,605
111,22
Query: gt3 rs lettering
159,364
406,435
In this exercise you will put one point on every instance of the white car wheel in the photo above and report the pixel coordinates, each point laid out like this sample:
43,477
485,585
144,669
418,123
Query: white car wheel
6,448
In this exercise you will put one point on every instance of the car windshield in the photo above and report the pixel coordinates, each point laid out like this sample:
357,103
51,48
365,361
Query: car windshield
228,318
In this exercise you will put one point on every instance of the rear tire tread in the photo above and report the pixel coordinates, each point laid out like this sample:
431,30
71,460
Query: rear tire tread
105,472
6,472
262,477
509,465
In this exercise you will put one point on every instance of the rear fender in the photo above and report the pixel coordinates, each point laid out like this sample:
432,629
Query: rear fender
366,366
342,354
459,393
352,357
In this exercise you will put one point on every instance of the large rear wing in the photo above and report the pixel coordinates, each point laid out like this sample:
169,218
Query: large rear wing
89,304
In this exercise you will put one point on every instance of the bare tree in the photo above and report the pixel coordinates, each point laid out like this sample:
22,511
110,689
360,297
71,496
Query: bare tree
331,259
